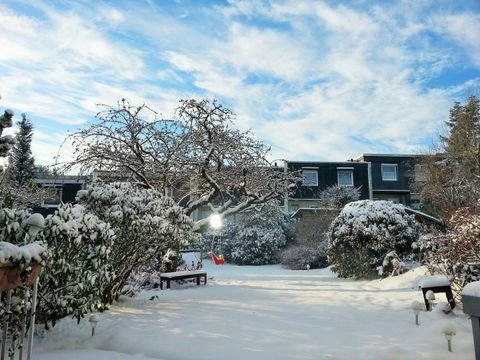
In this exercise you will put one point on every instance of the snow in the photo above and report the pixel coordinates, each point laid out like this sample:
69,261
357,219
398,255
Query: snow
472,289
181,273
266,312
36,220
11,252
433,281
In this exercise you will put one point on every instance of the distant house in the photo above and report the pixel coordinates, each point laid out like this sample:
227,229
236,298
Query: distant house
64,190
317,176
391,177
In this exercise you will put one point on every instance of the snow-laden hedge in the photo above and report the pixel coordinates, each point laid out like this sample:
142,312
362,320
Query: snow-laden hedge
455,254
365,232
14,250
146,225
79,266
258,235
297,257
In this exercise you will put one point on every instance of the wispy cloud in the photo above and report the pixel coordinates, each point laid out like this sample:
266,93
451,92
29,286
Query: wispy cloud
316,80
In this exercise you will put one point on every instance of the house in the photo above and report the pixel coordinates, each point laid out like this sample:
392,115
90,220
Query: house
64,190
392,175
320,175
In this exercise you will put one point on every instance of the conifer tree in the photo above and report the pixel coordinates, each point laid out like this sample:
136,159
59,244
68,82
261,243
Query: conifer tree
452,176
7,141
22,168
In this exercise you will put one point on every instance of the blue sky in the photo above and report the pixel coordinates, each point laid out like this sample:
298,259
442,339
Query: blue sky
317,80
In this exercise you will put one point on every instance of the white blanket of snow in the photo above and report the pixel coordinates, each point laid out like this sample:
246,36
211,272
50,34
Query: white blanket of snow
472,289
266,312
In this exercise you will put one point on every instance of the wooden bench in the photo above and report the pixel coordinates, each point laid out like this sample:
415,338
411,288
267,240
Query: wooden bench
182,275
437,284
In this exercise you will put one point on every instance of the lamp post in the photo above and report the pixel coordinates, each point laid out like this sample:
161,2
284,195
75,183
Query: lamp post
93,320
449,331
417,306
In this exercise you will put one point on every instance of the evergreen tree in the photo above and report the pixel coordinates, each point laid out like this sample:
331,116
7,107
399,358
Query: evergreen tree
452,177
22,168
7,141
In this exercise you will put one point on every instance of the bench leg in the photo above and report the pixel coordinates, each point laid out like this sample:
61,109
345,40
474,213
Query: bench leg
168,283
427,305
161,284
450,298
205,279
198,280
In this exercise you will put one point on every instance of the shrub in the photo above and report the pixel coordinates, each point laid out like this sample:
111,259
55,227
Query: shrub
365,232
78,269
297,257
146,225
258,236
456,254
337,196
14,228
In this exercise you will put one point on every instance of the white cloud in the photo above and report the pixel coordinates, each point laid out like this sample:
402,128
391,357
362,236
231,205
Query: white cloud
317,81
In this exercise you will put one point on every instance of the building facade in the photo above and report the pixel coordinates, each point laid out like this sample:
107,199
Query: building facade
377,176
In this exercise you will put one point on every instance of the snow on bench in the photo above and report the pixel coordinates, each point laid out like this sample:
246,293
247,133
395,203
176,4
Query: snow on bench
436,280
182,275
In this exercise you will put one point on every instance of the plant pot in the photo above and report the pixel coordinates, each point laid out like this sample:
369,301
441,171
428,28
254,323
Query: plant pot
11,276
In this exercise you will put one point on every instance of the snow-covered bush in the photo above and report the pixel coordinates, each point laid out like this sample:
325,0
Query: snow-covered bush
297,257
337,196
13,226
79,266
258,236
456,254
146,225
392,265
365,232
14,230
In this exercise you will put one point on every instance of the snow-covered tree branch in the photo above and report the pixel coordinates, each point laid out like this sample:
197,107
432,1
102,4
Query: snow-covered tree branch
197,155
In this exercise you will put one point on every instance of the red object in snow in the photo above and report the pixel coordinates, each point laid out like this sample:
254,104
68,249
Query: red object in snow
217,260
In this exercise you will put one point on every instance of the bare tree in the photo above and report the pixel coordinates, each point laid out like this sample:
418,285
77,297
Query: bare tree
198,155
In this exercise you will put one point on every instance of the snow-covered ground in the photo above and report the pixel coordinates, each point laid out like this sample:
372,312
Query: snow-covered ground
266,312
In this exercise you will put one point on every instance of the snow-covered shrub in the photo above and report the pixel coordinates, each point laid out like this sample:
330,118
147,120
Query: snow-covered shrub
392,265
297,257
79,266
337,196
456,254
146,225
14,228
365,232
258,236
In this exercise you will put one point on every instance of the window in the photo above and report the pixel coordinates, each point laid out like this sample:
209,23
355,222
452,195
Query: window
54,195
310,177
419,173
389,172
345,177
